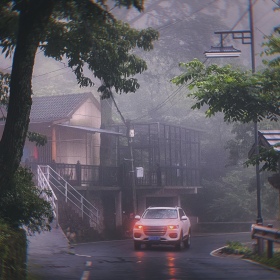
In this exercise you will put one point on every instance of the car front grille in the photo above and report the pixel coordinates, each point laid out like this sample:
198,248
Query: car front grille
155,230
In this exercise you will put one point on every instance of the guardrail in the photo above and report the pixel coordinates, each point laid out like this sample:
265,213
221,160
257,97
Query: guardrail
269,234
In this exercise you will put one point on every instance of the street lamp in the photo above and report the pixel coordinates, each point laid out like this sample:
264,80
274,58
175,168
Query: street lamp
246,37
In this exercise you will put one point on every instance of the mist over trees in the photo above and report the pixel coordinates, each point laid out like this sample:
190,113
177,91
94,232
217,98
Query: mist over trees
83,32
186,31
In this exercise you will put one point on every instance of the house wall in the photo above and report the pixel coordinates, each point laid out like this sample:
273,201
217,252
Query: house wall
71,146
77,145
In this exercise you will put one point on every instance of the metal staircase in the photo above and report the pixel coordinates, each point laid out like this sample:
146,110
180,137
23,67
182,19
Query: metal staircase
49,180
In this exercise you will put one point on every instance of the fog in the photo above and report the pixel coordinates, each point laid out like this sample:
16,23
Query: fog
186,30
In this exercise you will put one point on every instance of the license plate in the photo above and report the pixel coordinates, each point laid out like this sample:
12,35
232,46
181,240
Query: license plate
154,238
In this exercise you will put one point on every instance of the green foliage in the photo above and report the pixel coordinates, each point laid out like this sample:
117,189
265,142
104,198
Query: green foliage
13,245
21,204
239,146
38,138
238,248
272,46
83,32
88,35
239,95
232,198
4,88
268,156
272,262
235,247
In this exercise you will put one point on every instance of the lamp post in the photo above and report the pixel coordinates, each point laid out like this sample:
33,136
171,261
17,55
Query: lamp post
246,37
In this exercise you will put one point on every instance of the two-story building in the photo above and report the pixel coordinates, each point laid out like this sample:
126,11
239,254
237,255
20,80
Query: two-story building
155,165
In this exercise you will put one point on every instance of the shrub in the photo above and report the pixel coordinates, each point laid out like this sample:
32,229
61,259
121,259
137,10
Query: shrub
12,253
235,247
21,204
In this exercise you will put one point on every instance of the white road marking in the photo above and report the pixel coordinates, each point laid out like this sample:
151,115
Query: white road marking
85,275
83,255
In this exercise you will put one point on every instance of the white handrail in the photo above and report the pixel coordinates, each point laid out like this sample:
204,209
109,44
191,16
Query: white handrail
43,185
54,180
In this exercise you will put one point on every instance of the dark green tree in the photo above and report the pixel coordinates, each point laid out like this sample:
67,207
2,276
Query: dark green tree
22,204
85,33
240,95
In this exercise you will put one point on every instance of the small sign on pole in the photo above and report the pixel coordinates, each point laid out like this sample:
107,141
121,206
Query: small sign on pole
139,172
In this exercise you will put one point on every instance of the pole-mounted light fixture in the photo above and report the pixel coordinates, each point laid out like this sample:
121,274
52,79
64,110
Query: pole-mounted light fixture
229,51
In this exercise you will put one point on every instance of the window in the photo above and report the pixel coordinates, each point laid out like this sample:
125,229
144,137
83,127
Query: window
160,214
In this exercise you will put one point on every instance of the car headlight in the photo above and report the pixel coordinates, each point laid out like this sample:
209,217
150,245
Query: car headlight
138,227
173,227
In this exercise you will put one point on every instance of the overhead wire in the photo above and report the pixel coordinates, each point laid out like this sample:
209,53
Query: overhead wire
174,94
277,3
180,20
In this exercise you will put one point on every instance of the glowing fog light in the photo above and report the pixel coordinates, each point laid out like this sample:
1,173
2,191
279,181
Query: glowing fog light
138,227
173,227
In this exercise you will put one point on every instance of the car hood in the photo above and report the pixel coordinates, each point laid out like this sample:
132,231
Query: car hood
157,222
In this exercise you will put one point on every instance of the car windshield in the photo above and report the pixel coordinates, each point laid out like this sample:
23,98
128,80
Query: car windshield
161,214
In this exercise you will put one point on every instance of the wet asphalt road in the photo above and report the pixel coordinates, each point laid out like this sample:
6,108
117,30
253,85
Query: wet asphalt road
117,260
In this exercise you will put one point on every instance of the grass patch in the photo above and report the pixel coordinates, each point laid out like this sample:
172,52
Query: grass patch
237,248
272,262
31,276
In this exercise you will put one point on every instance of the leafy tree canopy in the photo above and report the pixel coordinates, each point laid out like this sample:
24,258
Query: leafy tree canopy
87,34
22,204
272,46
240,95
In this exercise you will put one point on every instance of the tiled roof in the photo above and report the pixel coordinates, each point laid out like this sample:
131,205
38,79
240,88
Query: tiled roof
52,108
270,138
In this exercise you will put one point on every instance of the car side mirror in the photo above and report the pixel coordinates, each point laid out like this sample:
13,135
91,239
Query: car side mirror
184,218
137,217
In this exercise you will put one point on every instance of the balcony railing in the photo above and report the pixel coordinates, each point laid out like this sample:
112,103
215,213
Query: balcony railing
92,175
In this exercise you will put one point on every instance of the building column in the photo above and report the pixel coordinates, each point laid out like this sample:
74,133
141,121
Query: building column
118,206
53,143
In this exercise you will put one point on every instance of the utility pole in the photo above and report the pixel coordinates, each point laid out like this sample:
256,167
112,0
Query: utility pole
130,135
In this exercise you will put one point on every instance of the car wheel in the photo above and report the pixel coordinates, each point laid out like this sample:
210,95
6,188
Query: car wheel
180,244
187,242
137,245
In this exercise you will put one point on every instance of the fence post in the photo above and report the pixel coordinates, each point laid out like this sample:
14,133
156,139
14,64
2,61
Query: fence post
260,243
78,173
269,245
158,171
51,172
82,206
56,212
66,191
48,172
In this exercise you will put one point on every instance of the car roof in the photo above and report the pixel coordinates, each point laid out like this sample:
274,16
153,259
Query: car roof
164,207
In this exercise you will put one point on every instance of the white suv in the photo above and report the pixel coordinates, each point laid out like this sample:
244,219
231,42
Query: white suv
162,225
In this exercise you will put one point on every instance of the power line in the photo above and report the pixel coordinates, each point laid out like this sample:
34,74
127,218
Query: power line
277,3
180,20
37,76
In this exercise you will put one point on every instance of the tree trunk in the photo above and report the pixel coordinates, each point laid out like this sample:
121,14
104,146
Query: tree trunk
34,16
